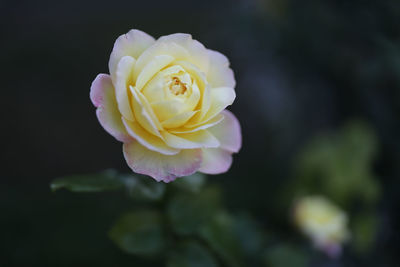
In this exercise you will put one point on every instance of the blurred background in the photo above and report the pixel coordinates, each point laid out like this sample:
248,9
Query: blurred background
318,95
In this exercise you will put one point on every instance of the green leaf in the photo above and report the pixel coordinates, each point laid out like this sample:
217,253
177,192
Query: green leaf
339,166
191,254
139,233
187,212
286,256
219,233
193,183
144,188
104,181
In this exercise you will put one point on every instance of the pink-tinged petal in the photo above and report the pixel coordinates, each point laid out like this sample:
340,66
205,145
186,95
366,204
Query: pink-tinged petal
219,73
199,55
131,44
123,79
148,140
197,139
144,113
215,161
161,167
228,132
103,97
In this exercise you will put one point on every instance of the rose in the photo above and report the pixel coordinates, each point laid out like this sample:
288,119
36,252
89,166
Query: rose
323,222
165,100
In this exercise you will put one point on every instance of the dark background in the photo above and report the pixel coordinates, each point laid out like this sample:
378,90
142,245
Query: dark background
302,68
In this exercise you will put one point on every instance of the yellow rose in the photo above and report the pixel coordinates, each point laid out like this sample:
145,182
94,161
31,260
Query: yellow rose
323,222
165,100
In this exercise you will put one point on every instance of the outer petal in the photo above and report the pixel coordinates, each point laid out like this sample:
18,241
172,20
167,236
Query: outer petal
131,44
103,97
228,132
161,167
219,73
215,161
147,139
198,53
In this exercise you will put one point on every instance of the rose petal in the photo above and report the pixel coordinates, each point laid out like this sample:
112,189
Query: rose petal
221,97
198,139
147,139
103,97
161,167
151,69
199,55
215,161
228,132
214,121
219,73
178,120
168,109
171,49
123,75
204,107
154,89
144,113
195,72
131,44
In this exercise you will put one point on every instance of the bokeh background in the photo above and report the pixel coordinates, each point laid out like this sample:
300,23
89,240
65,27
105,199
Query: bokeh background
312,76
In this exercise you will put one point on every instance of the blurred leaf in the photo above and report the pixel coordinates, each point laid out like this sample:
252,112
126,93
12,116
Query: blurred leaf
191,254
339,166
286,256
250,234
187,212
193,183
219,233
104,181
144,188
364,228
139,232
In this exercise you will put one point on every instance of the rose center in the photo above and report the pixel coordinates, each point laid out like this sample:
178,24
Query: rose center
177,87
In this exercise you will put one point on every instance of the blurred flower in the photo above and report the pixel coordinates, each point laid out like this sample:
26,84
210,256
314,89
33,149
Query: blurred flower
165,100
323,222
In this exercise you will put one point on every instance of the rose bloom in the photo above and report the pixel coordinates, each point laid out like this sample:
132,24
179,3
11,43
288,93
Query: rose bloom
165,99
323,222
